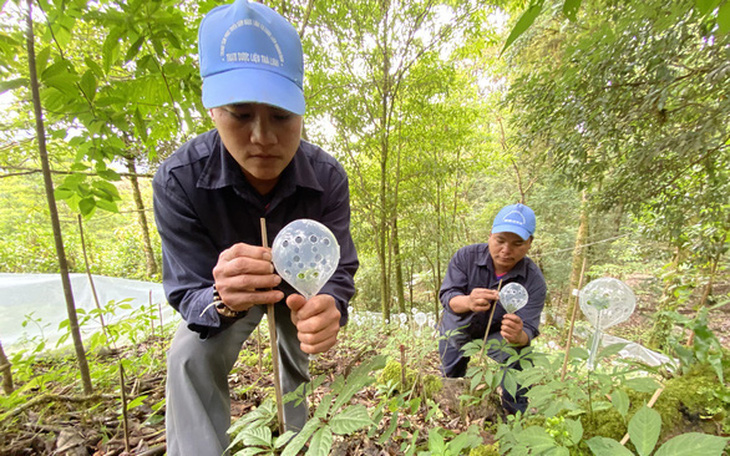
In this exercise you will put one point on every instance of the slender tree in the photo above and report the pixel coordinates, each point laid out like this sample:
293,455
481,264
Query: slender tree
57,235
151,263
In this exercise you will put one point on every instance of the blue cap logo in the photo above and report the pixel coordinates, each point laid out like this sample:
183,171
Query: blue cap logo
250,54
515,218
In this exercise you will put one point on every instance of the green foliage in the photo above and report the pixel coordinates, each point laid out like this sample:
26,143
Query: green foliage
438,445
644,430
719,9
710,399
334,416
114,242
526,20
706,349
392,375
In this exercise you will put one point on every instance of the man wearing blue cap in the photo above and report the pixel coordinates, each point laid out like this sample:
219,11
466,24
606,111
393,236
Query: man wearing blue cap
209,197
470,289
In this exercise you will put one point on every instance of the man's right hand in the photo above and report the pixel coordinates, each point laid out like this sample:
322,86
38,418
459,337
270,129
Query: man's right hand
244,277
479,300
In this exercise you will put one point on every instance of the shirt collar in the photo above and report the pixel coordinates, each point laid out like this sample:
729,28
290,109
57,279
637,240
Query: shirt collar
485,260
222,170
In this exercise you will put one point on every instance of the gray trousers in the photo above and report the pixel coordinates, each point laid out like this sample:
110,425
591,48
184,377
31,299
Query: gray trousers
198,401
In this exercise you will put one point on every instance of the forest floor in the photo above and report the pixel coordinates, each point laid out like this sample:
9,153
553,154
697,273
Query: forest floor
58,421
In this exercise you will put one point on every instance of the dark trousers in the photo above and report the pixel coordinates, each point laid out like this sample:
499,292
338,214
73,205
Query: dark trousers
454,364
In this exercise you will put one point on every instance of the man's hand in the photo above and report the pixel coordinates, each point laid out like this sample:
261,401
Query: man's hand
317,322
512,330
479,300
244,277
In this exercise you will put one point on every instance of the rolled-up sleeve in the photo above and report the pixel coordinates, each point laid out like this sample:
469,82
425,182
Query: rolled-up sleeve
456,281
336,217
188,255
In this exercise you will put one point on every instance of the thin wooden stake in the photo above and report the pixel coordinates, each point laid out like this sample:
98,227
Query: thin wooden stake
403,366
489,324
162,323
651,403
274,348
152,317
572,321
125,424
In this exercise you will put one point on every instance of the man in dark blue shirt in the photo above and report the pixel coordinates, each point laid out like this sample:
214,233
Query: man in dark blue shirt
470,290
209,197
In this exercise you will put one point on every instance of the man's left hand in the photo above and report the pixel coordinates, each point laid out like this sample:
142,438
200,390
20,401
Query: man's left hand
317,322
512,330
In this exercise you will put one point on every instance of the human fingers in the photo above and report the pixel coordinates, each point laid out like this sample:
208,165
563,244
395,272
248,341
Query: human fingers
244,277
244,300
242,249
319,304
320,346
511,327
492,295
317,321
480,299
243,259
512,319
295,302
480,305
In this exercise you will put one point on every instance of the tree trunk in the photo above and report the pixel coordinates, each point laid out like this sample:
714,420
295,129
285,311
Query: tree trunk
383,223
400,292
579,252
7,373
142,219
60,252
399,286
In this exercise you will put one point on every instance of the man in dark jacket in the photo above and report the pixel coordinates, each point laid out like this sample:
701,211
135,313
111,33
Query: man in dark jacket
470,290
209,197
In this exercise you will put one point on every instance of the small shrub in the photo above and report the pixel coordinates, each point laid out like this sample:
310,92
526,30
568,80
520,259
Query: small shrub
392,374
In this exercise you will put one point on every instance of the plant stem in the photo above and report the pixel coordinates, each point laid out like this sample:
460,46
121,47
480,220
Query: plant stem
91,282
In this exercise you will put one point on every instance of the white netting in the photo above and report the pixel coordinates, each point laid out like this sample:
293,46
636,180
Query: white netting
42,296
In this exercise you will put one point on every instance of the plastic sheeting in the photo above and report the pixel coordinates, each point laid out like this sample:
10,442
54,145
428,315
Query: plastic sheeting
42,297
639,352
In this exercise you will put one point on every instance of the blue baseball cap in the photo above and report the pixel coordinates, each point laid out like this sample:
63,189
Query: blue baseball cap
515,218
250,54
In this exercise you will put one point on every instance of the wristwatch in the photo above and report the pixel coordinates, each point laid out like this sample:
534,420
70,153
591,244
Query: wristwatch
221,306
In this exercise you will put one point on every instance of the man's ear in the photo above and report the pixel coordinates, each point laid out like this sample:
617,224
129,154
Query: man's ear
211,113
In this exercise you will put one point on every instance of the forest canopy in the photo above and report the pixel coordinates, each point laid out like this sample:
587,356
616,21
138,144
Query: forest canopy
609,118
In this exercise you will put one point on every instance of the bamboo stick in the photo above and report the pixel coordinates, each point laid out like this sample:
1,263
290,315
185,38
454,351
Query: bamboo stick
274,347
572,322
651,403
489,324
